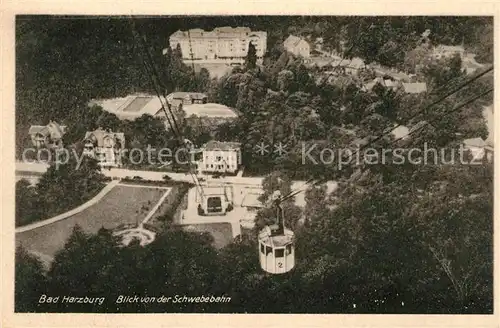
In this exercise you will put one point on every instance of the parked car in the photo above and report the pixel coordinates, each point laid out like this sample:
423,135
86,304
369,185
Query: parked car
137,178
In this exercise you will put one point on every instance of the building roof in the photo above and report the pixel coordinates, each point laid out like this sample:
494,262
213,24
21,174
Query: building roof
390,84
221,145
474,142
292,41
98,136
53,129
356,63
385,82
210,110
279,240
183,95
360,142
445,48
417,87
384,71
399,76
400,132
229,29
217,32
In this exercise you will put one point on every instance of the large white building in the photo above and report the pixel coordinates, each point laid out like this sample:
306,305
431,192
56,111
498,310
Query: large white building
222,157
221,44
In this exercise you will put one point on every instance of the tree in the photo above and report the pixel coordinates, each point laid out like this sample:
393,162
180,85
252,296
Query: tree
204,81
410,243
108,121
96,265
251,58
30,282
148,130
65,186
28,207
285,80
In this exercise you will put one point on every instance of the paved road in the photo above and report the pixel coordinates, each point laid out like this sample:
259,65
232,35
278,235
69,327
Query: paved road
118,173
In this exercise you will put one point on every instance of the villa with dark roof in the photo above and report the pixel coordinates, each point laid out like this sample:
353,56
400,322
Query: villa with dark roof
47,136
105,146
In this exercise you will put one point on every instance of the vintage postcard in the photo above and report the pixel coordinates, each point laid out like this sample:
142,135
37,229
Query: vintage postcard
303,163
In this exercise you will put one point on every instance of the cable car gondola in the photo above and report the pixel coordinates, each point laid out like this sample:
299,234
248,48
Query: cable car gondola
276,243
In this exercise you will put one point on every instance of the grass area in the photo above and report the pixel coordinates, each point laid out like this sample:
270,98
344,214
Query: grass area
122,205
169,211
221,232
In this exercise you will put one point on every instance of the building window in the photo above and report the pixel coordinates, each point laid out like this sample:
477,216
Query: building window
214,205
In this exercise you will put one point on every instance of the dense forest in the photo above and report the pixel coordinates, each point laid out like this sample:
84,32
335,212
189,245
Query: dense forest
395,239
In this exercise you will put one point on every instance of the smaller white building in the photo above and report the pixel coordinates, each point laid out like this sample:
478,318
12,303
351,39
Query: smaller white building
297,46
105,146
415,88
444,51
478,148
221,157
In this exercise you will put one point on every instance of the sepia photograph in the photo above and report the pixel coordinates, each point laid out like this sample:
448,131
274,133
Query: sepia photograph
255,164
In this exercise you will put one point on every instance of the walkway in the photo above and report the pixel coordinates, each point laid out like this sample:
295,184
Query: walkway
155,208
118,173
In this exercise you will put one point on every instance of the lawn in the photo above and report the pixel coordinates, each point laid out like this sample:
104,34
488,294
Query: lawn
122,205
221,232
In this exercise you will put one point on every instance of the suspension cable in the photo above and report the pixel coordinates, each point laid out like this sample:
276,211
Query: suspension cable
153,73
